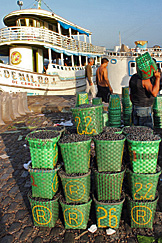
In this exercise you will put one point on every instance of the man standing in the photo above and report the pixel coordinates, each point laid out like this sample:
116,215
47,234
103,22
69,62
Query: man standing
89,78
102,81
142,93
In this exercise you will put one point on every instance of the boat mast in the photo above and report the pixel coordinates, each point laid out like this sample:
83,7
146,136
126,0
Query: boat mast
39,4
119,39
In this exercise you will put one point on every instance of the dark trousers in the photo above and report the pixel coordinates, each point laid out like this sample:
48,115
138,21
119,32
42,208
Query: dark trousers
104,93
142,116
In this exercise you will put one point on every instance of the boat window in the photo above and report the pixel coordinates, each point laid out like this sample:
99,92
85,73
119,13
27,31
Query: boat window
72,68
66,69
22,22
161,65
31,22
133,64
38,24
58,67
62,68
69,69
50,26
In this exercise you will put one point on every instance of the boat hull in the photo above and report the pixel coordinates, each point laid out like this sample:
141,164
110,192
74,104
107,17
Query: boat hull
57,82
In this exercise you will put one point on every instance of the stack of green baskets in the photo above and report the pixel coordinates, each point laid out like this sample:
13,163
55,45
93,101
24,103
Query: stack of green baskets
114,111
82,98
76,182
108,176
44,178
142,180
145,66
127,107
88,119
157,111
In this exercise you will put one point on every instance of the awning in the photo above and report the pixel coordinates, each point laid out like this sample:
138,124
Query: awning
67,26
68,53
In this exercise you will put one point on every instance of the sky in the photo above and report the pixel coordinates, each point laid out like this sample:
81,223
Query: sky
134,19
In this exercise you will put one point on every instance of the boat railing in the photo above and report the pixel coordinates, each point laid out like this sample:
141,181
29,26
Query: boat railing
154,52
24,34
69,68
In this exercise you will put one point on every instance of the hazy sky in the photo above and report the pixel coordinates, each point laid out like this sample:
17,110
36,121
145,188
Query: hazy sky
135,19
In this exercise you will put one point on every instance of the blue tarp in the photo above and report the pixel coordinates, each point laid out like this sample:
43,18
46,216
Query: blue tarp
66,26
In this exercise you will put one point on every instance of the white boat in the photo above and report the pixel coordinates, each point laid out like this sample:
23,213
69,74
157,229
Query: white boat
122,63
32,37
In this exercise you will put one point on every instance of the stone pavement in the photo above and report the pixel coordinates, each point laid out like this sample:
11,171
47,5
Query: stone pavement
15,213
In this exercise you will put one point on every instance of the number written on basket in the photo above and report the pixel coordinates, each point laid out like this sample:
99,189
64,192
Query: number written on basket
140,186
87,121
112,219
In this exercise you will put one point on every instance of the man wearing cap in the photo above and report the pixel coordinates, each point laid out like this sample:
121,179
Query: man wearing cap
142,94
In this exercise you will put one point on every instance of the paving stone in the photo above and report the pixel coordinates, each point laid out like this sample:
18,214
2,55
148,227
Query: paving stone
5,176
18,197
27,232
131,240
6,201
69,238
99,239
158,230
55,231
7,239
13,207
14,227
21,214
8,217
25,174
38,240
14,190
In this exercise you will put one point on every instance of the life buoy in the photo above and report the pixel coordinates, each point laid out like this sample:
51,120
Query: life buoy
113,61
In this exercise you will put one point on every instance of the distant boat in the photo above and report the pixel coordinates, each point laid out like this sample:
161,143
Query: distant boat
46,53
122,62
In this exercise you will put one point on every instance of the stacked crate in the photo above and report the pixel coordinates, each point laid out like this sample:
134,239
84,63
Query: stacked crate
127,107
75,178
114,111
108,175
143,175
43,173
157,111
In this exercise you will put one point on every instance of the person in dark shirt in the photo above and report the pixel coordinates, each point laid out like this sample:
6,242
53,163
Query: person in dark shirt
142,93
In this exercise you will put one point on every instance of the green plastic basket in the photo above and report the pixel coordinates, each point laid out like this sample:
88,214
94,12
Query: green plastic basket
108,214
76,216
143,186
143,155
125,92
45,212
141,213
82,98
157,102
108,185
114,102
88,120
109,154
44,182
76,189
145,66
44,152
97,101
76,156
